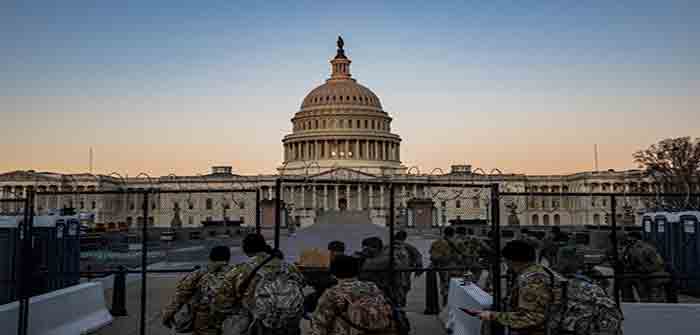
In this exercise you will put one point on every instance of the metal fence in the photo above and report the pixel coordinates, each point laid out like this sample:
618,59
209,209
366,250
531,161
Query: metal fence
485,208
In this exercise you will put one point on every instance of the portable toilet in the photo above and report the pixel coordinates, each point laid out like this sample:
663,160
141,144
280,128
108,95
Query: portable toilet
689,248
673,237
658,233
647,220
9,263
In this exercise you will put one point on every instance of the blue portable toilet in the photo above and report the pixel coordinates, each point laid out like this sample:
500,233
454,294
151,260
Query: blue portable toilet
662,234
689,248
647,223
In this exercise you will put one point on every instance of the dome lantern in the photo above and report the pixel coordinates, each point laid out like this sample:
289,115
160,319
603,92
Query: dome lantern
340,65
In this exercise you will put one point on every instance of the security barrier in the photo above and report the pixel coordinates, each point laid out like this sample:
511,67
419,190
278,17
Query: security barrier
75,310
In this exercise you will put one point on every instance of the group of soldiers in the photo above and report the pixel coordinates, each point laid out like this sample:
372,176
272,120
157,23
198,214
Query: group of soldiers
241,297
265,295
461,252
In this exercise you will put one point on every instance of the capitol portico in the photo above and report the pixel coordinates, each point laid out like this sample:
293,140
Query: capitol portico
341,131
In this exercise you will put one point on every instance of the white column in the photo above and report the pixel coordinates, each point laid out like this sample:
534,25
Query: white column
347,196
381,196
356,154
359,196
376,150
325,197
370,195
367,156
269,192
347,148
313,197
415,190
336,198
303,196
403,195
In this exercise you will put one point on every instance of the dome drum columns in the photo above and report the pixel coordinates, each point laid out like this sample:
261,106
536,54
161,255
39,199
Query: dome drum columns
342,149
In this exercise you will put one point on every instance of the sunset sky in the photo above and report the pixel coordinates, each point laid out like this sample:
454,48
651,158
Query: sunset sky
175,87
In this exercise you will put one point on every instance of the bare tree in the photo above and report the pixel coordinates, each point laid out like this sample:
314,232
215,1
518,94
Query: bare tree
674,163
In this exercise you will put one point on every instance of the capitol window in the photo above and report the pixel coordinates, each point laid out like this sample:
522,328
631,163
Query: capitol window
324,124
366,124
358,124
209,204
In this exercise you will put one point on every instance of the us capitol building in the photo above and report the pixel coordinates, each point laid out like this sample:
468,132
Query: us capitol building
341,132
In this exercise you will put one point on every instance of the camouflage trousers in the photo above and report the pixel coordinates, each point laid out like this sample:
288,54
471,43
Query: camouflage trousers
649,290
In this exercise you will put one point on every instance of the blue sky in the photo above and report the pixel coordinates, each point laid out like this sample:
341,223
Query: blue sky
523,84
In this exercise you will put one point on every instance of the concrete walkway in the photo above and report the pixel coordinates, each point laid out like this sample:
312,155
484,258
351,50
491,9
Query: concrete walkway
161,287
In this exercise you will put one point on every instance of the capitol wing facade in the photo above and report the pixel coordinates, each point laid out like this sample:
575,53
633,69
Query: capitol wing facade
341,132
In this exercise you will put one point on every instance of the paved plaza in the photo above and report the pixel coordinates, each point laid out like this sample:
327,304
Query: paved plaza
162,286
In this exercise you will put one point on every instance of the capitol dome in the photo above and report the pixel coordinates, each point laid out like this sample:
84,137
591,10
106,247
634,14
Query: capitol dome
341,92
341,124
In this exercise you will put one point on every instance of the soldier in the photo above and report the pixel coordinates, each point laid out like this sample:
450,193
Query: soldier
407,256
641,259
321,281
351,298
203,284
551,245
276,312
375,264
475,251
444,253
530,294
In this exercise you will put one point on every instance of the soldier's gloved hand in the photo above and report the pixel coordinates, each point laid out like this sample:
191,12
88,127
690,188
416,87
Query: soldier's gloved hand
487,315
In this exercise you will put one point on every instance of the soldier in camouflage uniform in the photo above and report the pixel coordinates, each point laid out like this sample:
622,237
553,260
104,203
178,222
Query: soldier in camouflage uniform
445,253
402,261
374,259
642,259
331,316
529,296
233,300
414,255
551,245
193,289
321,281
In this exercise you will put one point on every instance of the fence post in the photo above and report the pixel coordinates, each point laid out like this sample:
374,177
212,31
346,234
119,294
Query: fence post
25,271
496,266
144,261
617,265
432,305
119,292
278,208
257,211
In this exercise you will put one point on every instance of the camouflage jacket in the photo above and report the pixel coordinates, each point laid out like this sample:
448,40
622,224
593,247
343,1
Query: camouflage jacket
390,285
444,252
641,257
231,297
474,249
188,290
415,257
334,302
528,301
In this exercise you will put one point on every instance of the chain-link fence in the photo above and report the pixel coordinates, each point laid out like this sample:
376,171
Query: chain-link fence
122,230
